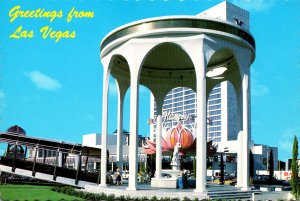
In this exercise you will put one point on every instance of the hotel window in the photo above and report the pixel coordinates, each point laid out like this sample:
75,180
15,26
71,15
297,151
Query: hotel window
217,134
178,99
215,128
167,101
214,107
177,89
214,96
177,109
190,96
212,102
216,123
215,112
218,139
214,118
168,96
189,107
177,104
190,111
167,106
218,90
189,101
188,92
178,94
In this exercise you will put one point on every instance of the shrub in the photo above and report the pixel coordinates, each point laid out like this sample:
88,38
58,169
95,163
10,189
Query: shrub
186,199
110,197
154,198
144,198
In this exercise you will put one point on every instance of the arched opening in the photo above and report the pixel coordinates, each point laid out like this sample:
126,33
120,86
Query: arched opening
113,132
223,110
168,72
165,67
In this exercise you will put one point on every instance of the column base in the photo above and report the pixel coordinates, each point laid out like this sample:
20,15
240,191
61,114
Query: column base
200,191
246,189
131,189
102,185
164,182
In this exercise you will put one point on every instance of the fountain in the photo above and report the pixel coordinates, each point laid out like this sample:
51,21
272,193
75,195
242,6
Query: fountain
178,140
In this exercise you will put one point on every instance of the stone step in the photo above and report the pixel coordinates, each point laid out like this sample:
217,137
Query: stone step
230,195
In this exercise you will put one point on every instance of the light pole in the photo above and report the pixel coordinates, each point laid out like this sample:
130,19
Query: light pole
222,165
267,158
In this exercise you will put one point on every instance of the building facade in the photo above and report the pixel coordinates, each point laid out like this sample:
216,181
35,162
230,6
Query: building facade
180,105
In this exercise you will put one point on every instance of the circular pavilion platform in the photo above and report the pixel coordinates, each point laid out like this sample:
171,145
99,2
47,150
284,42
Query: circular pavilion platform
214,191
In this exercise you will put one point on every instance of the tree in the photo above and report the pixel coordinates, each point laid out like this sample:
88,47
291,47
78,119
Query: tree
271,167
295,170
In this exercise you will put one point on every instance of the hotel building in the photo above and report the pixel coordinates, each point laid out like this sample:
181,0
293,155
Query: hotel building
180,103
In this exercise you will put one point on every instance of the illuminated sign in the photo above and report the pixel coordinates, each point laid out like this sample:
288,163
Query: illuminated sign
168,116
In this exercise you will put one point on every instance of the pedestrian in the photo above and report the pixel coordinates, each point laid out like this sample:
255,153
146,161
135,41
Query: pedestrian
118,177
184,179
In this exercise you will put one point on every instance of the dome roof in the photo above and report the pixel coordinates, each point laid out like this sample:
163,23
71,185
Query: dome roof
16,129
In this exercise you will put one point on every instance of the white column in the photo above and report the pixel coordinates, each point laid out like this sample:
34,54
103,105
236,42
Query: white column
77,159
239,93
158,139
245,136
239,160
201,126
152,117
60,159
95,165
133,137
120,128
104,128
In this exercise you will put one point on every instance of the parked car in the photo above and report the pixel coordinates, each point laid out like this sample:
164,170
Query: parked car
264,180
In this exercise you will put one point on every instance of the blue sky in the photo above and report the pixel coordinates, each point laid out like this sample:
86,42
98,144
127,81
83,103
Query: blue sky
54,89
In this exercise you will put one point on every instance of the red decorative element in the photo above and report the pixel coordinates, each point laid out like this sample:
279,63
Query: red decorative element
181,135
178,134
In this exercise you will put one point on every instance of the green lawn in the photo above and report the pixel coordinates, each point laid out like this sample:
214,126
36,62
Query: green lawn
31,193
